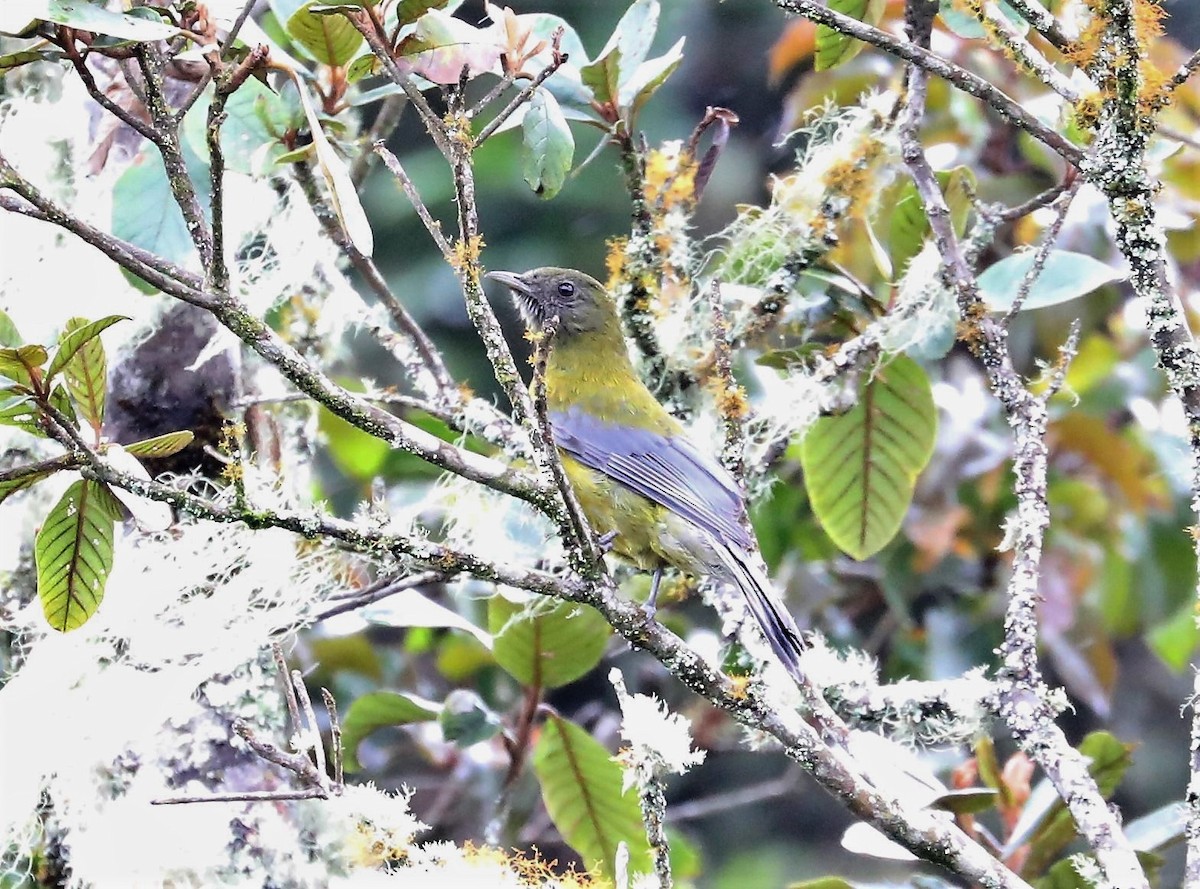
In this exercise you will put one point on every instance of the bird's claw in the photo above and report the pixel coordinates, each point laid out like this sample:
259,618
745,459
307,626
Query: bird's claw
604,542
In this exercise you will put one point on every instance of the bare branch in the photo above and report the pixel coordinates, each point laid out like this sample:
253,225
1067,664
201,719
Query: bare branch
414,197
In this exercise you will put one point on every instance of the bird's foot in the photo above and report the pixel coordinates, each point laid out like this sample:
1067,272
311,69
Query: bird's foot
650,607
605,542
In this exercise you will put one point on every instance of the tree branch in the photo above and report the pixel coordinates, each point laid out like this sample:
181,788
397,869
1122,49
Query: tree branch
1022,698
919,56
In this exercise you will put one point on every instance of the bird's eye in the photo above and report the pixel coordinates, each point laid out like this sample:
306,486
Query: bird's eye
566,288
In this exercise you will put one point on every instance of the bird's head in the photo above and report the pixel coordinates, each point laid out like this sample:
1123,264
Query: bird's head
580,301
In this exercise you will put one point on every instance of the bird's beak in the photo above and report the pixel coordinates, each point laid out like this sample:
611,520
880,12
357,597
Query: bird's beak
512,281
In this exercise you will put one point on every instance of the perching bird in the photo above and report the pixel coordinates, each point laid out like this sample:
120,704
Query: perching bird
640,481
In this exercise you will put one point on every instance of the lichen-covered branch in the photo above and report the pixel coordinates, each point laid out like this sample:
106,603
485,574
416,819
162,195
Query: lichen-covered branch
1022,700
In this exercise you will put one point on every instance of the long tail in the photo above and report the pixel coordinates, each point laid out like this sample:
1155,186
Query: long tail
771,614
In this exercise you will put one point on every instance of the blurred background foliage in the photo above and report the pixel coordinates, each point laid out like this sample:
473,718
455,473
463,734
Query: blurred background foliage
1119,573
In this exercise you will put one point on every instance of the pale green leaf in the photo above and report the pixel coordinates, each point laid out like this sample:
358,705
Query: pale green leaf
23,413
74,554
19,362
13,485
144,211
860,467
330,36
1065,276
549,145
81,358
581,787
161,445
10,337
17,16
342,193
909,226
256,118
544,642
465,719
375,711
966,24
645,81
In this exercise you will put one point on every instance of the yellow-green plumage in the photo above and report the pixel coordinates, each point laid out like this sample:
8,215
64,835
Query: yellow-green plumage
635,472
596,375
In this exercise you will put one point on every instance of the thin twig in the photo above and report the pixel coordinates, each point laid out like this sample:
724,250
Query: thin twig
166,127
1186,70
414,197
131,120
235,29
335,740
311,728
245,796
1045,198
429,372
1043,250
378,592
387,118
557,60
289,693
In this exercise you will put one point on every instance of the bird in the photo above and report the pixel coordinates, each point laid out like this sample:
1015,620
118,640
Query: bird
656,499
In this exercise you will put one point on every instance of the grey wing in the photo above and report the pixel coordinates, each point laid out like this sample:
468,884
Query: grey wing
668,470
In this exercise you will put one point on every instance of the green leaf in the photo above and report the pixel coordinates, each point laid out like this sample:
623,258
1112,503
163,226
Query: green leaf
17,18
77,333
330,37
910,226
623,54
822,883
835,48
23,413
602,77
81,358
465,719
376,710
74,554
566,84
408,11
549,145
1064,277
13,60
968,801
1176,638
645,81
544,642
581,787
9,335
161,445
19,363
61,402
13,485
860,467
145,213
256,118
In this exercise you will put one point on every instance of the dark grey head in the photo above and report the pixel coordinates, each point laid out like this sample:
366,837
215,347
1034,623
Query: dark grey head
580,301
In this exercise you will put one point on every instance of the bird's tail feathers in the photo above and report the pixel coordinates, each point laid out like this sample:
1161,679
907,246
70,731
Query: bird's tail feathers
771,615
